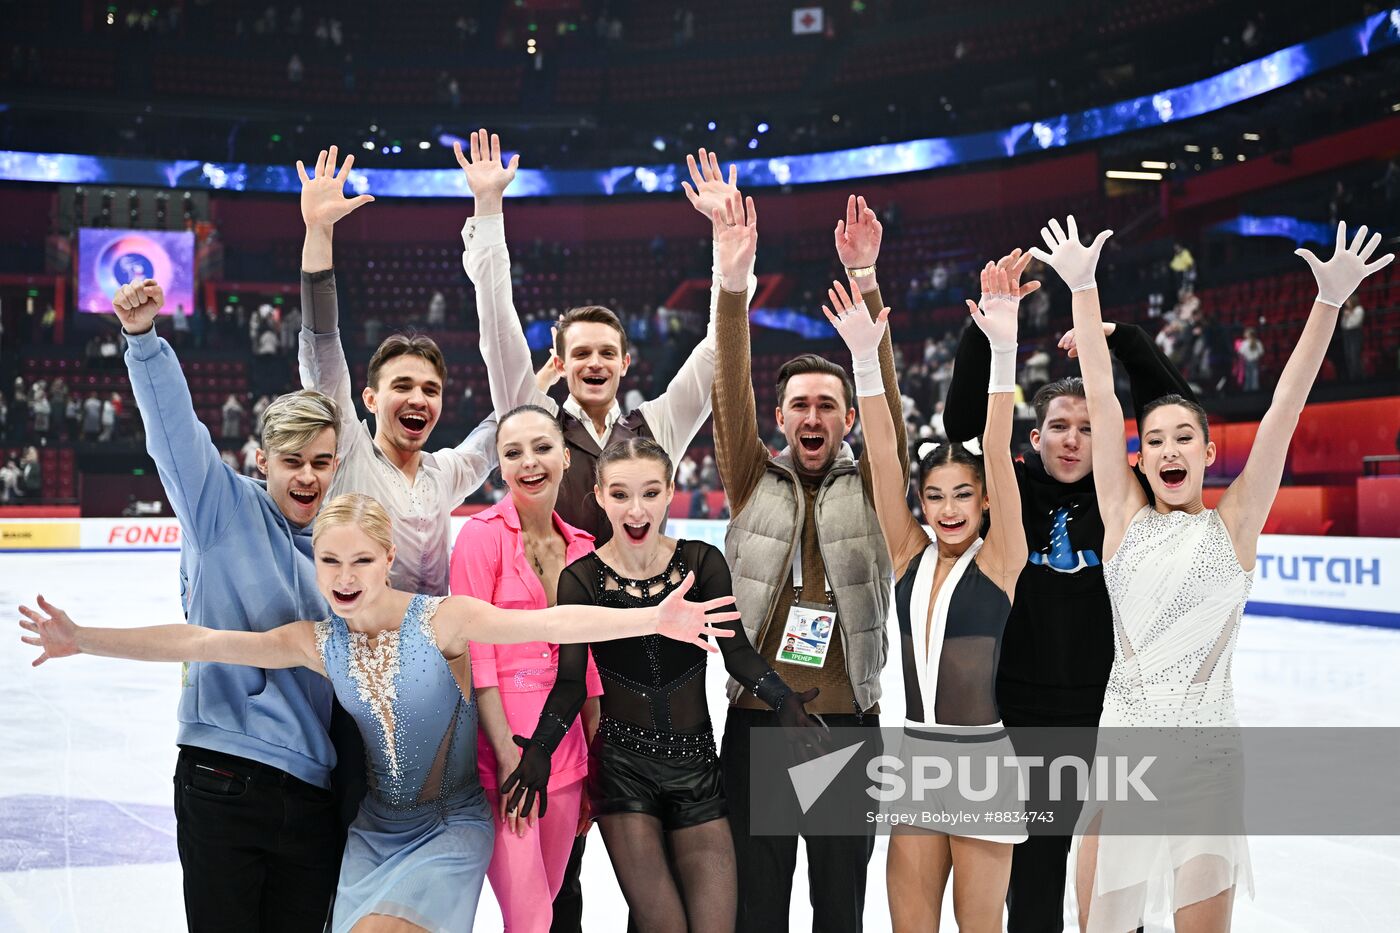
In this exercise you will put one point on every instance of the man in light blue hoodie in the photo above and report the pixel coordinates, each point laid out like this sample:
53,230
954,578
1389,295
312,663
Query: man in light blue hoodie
257,826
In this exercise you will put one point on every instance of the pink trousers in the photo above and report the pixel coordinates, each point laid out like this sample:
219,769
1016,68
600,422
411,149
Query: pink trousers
526,871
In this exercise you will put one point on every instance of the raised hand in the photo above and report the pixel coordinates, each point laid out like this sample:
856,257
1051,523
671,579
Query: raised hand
1072,260
736,241
323,200
550,373
710,192
1067,342
136,305
858,235
1338,277
682,620
488,176
529,780
54,632
995,314
852,321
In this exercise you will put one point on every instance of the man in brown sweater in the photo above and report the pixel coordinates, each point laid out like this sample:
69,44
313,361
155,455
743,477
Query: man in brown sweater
803,537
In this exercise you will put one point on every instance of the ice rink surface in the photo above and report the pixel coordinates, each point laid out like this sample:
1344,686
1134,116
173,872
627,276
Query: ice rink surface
87,755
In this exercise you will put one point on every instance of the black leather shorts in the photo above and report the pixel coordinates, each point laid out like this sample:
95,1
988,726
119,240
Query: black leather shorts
680,792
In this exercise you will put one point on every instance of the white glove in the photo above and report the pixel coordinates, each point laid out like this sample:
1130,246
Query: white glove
995,313
1338,277
1074,262
861,334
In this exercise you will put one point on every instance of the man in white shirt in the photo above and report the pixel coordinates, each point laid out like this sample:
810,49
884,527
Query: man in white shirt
405,384
591,343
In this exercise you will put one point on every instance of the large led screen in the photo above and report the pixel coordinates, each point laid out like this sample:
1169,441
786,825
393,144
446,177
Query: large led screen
108,259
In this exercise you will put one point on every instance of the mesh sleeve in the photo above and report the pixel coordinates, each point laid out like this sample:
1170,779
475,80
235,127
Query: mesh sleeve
570,689
744,664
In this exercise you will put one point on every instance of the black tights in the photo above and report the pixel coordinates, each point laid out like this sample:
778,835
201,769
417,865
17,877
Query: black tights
699,893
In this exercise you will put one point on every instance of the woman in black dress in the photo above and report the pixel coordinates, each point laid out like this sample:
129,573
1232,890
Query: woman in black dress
654,783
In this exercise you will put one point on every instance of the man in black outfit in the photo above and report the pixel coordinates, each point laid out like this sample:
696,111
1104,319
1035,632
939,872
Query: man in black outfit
1058,645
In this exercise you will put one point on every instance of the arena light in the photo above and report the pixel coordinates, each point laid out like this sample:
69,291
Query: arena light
1133,176
1251,137
424,144
1189,147
1150,163
763,127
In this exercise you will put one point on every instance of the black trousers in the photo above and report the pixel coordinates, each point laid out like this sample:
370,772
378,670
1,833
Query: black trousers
1035,897
260,849
568,903
836,865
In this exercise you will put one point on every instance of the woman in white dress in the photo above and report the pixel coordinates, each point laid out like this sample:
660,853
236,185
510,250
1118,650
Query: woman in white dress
1178,575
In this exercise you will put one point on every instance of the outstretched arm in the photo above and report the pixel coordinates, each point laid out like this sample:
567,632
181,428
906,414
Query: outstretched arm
203,490
903,535
1150,374
858,237
487,261
1004,553
320,355
1120,495
965,408
561,708
676,416
740,453
291,645
1245,505
462,619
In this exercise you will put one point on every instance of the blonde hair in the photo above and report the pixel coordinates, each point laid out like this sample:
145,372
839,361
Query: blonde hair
293,420
359,510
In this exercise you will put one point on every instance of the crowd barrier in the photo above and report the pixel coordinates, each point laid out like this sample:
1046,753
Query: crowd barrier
1333,579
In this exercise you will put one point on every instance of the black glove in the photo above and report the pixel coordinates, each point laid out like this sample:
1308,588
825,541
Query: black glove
792,710
531,777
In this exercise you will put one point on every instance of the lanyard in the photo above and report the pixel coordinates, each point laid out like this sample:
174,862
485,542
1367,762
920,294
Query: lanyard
797,572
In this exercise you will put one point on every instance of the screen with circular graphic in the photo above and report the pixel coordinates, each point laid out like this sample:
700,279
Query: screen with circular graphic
109,259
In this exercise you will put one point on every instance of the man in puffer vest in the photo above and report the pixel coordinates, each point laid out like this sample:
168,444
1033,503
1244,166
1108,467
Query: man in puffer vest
804,544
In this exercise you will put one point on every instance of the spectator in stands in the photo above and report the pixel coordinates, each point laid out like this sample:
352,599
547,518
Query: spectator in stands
41,410
1251,351
373,326
4,417
287,333
19,414
109,418
1339,205
31,474
1036,370
249,454
295,69
1353,316
437,312
58,395
1037,311
1183,264
181,325
232,414
259,407
92,417
72,416
231,460
9,481
709,473
687,473
843,561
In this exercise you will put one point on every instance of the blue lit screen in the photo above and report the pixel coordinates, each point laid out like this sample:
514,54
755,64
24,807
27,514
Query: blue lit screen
1366,37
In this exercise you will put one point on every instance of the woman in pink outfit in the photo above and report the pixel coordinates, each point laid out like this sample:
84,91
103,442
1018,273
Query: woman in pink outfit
511,555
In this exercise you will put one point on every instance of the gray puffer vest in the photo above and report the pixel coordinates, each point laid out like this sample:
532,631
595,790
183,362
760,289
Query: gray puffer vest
762,540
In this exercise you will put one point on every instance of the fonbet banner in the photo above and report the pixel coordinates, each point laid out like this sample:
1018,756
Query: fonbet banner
1350,580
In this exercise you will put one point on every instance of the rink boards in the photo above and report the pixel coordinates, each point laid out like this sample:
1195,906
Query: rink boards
1349,580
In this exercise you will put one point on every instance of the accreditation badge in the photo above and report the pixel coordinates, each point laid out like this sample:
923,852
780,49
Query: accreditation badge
807,635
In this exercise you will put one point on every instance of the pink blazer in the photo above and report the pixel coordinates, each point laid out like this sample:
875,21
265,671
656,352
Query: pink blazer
489,562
